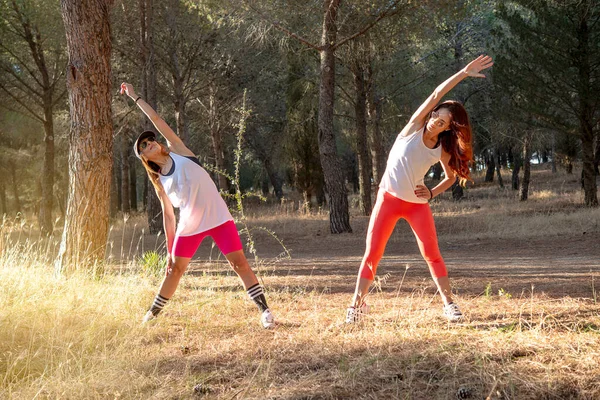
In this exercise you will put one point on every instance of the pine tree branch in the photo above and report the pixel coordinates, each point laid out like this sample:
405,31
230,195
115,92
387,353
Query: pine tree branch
24,87
347,95
21,103
21,63
277,25
59,98
385,13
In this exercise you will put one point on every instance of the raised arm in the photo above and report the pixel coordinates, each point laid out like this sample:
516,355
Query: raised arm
472,69
173,141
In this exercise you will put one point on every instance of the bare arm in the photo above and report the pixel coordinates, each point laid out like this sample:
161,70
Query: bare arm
472,69
168,220
450,178
424,193
174,142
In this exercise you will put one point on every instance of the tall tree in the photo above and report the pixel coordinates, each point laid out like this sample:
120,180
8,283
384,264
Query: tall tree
301,142
32,63
359,68
87,28
149,93
339,217
549,66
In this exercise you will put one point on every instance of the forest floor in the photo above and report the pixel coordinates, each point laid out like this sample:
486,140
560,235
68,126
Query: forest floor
526,275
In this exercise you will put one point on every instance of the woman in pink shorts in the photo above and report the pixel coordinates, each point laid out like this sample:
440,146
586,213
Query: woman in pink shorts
180,181
435,132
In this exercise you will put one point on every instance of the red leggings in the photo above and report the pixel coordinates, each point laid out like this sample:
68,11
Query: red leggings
386,213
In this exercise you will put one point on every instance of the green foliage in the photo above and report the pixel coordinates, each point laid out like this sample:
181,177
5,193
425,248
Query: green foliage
244,114
542,54
153,263
488,290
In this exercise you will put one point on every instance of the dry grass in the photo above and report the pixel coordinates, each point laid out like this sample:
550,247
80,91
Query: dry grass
80,338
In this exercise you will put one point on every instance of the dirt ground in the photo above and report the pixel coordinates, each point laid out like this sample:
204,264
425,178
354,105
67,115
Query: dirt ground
556,266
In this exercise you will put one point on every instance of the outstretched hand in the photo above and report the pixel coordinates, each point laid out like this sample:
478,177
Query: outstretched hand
127,88
479,64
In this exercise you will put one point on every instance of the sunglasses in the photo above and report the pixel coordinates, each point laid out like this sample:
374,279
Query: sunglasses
144,143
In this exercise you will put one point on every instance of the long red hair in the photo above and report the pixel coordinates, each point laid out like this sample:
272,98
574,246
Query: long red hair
153,169
457,140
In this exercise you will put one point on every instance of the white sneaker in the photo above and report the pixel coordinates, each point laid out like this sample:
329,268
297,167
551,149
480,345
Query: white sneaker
148,317
452,312
267,319
354,315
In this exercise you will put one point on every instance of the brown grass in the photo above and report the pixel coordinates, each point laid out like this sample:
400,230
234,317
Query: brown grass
524,337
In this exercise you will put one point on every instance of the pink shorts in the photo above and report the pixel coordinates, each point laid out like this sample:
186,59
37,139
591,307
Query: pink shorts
226,238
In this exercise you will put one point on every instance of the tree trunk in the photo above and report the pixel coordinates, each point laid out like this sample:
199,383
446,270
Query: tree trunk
217,140
516,170
45,217
132,162
144,191
115,186
353,175
87,26
497,157
374,104
264,185
217,143
274,178
319,191
339,217
15,186
457,191
179,97
569,166
586,109
491,166
180,120
364,167
597,154
153,207
554,153
3,205
589,174
526,166
174,66
45,90
124,173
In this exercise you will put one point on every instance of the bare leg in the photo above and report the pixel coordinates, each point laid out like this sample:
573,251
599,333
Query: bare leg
174,274
443,285
239,263
362,289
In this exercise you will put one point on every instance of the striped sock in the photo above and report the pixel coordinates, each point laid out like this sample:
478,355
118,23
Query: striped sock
158,304
258,296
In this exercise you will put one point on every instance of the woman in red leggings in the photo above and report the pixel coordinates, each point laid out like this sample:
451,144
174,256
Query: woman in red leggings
435,132
180,181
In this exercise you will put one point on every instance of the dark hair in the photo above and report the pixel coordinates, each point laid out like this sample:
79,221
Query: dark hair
153,169
457,140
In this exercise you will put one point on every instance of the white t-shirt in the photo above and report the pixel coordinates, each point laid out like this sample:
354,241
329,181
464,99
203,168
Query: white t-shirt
407,164
192,190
